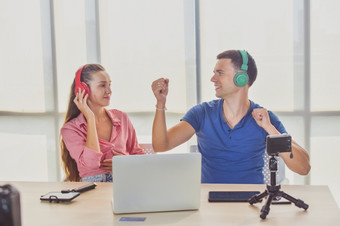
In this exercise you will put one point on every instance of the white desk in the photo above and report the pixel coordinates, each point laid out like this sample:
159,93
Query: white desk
94,208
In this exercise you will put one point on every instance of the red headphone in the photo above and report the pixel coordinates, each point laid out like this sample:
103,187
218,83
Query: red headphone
79,84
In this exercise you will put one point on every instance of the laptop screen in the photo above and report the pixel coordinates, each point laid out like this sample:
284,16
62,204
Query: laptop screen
158,182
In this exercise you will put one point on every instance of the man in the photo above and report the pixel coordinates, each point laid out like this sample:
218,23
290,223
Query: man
231,131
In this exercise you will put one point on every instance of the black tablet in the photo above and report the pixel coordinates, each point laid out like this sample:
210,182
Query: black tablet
231,196
59,196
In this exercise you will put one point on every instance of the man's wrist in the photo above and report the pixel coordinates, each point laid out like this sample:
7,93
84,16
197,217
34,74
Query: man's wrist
160,108
271,130
160,105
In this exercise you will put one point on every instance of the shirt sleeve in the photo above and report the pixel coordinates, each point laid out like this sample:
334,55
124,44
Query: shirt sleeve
75,142
194,117
276,122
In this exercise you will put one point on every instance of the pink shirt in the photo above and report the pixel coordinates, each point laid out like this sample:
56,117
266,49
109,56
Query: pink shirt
123,140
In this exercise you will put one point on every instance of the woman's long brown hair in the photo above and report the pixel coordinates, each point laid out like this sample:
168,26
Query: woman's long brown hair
69,164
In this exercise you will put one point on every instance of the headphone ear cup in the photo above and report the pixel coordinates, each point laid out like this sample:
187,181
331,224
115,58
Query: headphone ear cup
241,79
86,88
82,86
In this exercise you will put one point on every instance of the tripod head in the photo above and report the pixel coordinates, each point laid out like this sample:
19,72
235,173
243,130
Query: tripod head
275,144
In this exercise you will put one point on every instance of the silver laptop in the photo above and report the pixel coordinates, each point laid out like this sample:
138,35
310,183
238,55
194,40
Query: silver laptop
158,182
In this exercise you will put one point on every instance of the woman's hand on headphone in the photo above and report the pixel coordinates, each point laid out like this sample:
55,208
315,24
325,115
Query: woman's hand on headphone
81,102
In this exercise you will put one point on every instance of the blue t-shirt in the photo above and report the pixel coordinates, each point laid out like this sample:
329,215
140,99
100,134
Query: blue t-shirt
230,155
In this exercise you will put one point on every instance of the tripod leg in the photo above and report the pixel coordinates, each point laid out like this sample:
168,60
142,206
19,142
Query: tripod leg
258,198
298,202
266,208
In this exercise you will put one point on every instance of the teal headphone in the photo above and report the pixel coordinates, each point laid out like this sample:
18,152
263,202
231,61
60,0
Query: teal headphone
241,78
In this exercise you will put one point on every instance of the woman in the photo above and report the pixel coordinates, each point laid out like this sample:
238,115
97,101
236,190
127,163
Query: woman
92,135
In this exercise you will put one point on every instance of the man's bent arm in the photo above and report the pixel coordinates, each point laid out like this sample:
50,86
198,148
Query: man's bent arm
163,139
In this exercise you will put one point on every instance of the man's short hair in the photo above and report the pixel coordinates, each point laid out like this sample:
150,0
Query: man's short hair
236,59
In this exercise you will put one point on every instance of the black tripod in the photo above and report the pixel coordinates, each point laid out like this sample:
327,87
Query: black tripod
273,190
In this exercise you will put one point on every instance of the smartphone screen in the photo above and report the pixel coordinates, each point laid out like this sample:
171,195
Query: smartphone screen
58,196
231,196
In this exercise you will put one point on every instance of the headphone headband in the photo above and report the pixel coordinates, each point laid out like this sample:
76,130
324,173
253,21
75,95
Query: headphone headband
78,74
241,78
80,85
244,60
